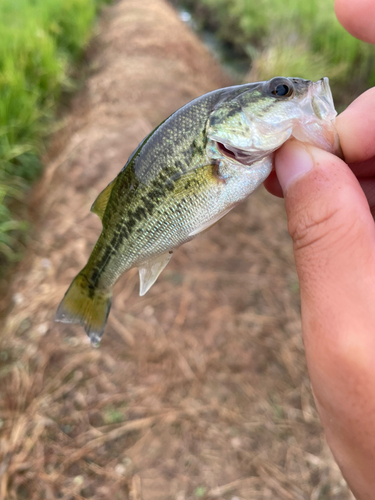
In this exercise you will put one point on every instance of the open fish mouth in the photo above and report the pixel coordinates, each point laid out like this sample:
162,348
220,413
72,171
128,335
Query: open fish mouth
232,153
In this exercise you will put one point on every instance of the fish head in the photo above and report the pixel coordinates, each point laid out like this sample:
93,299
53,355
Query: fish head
251,125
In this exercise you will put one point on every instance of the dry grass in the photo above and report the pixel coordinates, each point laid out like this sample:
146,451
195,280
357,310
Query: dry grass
199,389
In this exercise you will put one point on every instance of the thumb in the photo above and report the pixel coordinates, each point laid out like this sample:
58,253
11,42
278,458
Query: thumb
329,221
334,245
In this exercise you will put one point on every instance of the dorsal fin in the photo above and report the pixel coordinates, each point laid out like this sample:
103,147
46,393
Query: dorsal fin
100,204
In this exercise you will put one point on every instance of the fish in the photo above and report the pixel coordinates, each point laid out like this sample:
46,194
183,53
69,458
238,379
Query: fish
188,173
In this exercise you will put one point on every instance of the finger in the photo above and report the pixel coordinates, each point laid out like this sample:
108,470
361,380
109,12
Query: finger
272,185
334,244
368,186
357,17
356,128
365,172
364,168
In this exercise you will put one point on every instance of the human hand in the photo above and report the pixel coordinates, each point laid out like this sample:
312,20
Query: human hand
329,208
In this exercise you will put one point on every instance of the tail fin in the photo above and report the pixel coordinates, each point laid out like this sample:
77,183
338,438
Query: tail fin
85,305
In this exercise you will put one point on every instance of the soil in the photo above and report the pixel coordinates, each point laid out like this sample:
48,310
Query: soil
199,389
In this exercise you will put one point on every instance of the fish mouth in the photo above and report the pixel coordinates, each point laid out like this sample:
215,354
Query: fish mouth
319,114
318,102
322,101
232,153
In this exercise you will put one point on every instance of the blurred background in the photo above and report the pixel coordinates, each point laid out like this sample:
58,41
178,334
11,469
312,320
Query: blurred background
42,61
41,49
199,390
256,41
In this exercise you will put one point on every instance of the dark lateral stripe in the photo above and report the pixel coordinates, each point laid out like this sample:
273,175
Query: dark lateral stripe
149,206
127,226
156,195
140,213
146,204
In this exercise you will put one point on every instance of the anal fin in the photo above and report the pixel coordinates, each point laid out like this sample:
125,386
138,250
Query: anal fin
150,270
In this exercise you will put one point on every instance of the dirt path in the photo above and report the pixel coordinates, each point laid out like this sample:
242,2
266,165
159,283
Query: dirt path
199,389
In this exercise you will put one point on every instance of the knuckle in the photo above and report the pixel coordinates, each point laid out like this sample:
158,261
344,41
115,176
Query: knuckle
315,225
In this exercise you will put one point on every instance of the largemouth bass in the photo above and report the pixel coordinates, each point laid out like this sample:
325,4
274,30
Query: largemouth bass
188,173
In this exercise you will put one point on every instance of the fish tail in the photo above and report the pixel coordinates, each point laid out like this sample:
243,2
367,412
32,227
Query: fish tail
85,304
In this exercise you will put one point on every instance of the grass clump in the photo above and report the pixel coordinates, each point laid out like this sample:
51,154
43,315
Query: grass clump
291,38
39,41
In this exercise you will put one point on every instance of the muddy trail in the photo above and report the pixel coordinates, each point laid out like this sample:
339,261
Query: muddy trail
199,389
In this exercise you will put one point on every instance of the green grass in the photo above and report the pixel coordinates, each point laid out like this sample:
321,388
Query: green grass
39,42
291,38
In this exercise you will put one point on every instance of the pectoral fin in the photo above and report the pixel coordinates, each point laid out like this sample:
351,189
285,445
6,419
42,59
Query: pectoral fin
100,204
150,270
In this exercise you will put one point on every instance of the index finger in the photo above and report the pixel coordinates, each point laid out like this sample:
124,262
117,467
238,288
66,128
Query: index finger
356,128
357,17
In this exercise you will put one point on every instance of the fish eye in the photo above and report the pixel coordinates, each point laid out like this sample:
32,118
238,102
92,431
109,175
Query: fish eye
280,87
281,90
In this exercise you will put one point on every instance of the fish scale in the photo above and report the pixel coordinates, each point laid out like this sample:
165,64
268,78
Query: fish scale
185,175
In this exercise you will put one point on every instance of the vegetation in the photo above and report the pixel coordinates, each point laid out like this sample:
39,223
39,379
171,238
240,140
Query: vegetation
291,37
40,39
